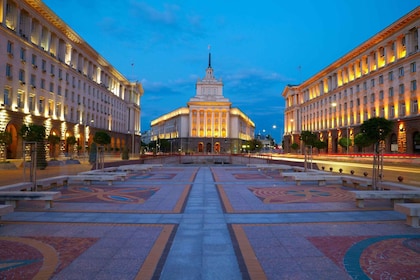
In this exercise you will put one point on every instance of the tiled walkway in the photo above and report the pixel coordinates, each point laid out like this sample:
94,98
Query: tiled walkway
207,222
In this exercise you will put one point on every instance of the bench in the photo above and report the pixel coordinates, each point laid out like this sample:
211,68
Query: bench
121,174
321,179
396,196
412,212
52,182
5,209
135,167
87,179
12,197
24,186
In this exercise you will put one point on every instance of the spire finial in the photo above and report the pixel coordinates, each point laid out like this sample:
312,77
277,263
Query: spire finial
209,56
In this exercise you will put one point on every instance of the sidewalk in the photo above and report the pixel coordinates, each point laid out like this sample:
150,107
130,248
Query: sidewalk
207,222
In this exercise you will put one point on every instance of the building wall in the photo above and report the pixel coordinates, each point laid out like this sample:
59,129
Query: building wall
50,76
379,78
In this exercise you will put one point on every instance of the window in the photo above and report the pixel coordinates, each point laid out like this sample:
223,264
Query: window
10,48
391,92
44,65
31,102
372,83
33,80
401,89
9,71
20,99
413,67
364,85
414,107
52,72
391,76
365,99
6,96
34,61
401,72
60,74
42,83
52,87
413,85
391,111
59,90
372,98
381,95
381,79
357,88
402,109
41,106
22,76
22,54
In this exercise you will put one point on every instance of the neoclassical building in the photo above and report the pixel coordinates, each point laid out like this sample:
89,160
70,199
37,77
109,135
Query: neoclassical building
50,76
376,79
209,123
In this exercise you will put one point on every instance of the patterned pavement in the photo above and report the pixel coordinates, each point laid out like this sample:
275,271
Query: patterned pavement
207,222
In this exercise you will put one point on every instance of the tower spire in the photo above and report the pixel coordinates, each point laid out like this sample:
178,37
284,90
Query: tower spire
209,57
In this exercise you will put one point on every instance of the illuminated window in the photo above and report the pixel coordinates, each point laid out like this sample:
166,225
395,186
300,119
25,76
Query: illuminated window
31,102
414,107
402,109
20,99
6,96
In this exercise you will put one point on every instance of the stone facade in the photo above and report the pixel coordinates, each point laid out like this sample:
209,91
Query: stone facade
379,78
50,76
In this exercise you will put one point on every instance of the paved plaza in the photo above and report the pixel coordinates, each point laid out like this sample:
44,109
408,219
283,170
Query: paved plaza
207,222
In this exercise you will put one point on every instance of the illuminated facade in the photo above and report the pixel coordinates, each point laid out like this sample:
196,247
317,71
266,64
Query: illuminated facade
49,76
208,124
377,79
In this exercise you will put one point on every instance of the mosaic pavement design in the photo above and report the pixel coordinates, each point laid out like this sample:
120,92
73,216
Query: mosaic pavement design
130,195
34,256
275,253
137,251
301,194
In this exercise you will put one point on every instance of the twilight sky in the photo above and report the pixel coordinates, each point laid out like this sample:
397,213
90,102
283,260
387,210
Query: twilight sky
256,49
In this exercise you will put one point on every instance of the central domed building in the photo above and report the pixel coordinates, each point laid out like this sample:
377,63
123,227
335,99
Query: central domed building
209,123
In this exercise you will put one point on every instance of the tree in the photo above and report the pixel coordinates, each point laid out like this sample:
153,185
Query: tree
71,141
255,145
53,140
125,154
320,145
102,138
36,133
294,146
5,140
376,129
361,140
92,153
345,142
308,138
